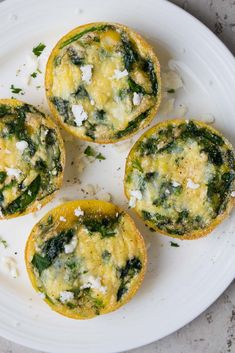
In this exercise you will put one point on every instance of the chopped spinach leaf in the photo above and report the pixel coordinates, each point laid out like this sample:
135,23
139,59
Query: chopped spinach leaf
89,151
171,90
100,157
16,90
81,93
3,242
126,273
38,49
62,106
173,244
55,245
3,176
130,55
103,225
137,165
41,263
4,110
74,56
34,75
134,87
106,255
149,67
25,199
99,115
81,34
133,124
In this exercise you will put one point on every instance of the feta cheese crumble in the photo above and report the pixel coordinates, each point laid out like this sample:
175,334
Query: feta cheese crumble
13,172
192,185
70,247
11,266
79,114
135,195
120,74
66,296
78,212
94,283
62,219
21,145
137,98
86,73
175,183
42,295
233,193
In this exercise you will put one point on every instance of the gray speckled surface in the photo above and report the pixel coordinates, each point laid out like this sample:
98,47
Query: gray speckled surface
214,330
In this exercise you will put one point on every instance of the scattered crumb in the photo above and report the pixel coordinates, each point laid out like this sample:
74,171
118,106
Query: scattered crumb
173,244
10,265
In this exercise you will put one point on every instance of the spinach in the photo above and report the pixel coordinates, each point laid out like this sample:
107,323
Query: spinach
137,165
149,67
3,176
218,190
16,90
34,74
38,49
41,165
55,245
149,146
130,55
100,157
171,90
90,130
74,57
81,93
46,226
50,138
126,273
166,189
104,225
150,176
89,151
106,255
133,124
173,244
100,115
81,34
4,110
134,87
57,60
230,159
160,220
22,201
123,93
41,263
62,106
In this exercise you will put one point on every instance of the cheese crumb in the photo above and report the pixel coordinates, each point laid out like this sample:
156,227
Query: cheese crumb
92,102
137,98
39,206
78,212
94,283
66,296
86,73
192,185
21,145
105,196
135,195
171,80
233,193
70,247
42,295
175,183
13,172
62,219
10,265
120,74
79,114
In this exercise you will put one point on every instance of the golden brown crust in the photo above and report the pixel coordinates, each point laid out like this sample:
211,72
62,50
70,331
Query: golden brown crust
197,233
67,210
36,204
49,80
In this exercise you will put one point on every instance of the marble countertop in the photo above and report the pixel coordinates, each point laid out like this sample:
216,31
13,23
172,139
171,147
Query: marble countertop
214,330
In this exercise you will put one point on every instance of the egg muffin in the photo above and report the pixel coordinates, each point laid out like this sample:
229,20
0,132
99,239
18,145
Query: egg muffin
103,82
31,158
180,178
86,258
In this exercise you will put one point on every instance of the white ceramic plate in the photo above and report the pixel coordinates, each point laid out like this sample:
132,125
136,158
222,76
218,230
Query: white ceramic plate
180,282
